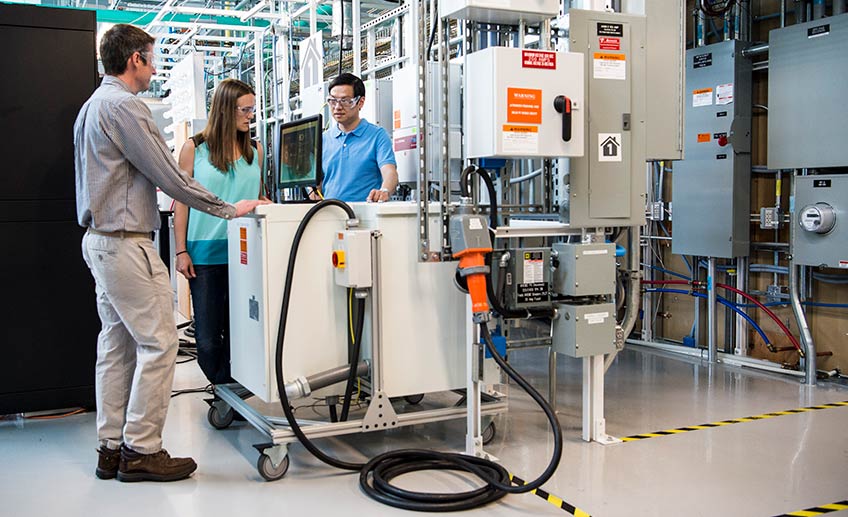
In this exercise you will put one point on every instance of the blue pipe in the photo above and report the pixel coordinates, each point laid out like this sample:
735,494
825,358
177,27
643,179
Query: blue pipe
722,301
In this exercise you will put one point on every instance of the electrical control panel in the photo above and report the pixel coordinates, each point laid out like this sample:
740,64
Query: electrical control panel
522,277
711,187
606,186
808,71
524,103
584,269
351,258
584,330
819,218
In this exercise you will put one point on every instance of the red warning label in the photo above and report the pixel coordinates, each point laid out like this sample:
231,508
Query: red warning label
538,59
607,43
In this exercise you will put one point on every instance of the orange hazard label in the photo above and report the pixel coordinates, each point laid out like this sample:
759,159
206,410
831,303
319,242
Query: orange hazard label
702,90
703,137
608,56
396,118
524,105
509,128
242,233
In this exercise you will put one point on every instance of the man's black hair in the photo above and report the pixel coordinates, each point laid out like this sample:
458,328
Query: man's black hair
350,80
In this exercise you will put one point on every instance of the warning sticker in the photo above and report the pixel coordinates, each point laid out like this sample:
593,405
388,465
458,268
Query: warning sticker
702,97
593,318
724,94
524,105
534,267
843,264
520,140
405,140
609,147
703,137
538,59
396,119
610,66
243,245
607,43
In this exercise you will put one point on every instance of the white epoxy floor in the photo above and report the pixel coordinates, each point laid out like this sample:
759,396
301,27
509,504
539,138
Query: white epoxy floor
759,468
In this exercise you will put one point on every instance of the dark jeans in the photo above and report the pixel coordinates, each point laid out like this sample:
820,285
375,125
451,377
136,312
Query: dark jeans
210,297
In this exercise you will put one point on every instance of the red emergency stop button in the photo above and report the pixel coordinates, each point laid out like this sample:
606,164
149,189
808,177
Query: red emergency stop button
338,259
722,140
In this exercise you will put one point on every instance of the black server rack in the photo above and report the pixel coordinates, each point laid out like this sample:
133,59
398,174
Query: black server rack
48,318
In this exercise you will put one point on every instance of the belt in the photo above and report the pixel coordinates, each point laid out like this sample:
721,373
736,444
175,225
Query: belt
123,234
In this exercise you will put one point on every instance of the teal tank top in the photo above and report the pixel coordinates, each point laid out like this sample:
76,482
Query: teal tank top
207,235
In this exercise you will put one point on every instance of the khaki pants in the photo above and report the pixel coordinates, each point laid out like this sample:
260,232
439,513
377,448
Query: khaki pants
137,345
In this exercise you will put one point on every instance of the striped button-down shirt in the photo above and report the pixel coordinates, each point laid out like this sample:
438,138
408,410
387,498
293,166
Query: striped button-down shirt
121,158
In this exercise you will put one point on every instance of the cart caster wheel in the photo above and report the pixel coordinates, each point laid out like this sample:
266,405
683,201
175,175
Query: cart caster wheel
414,399
489,433
266,468
219,419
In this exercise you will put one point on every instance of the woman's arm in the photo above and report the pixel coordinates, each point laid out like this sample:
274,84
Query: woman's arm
184,264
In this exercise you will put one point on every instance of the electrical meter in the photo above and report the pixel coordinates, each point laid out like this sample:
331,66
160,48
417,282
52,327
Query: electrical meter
818,218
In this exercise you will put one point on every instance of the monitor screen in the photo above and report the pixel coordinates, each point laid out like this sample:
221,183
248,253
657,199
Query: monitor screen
300,153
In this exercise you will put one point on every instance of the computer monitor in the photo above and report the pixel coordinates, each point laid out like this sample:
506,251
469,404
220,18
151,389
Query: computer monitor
300,153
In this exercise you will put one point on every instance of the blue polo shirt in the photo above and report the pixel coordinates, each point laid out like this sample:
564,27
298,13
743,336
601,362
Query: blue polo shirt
351,161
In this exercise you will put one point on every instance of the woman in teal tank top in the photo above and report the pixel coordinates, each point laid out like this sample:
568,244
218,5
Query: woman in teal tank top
226,161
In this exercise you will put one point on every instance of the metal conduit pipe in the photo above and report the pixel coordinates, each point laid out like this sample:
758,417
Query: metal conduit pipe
712,317
631,310
818,9
304,386
755,50
806,335
782,13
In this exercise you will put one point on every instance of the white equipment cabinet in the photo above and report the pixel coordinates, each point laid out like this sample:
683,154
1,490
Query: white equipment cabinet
423,333
423,321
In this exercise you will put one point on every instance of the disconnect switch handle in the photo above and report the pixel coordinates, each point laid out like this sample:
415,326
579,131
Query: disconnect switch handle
563,106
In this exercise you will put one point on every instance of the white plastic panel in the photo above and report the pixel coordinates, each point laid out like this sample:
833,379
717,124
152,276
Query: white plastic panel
510,103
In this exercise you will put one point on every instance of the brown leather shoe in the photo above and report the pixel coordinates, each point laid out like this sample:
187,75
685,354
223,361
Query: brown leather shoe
107,462
159,466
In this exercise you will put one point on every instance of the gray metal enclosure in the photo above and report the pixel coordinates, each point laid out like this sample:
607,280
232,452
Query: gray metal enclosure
711,186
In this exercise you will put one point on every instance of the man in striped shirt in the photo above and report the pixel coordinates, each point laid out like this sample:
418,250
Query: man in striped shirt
120,159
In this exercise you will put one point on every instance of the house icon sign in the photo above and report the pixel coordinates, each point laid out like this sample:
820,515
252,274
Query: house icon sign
610,146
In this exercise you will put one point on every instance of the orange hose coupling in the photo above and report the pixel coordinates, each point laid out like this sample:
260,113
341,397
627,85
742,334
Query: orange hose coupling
472,266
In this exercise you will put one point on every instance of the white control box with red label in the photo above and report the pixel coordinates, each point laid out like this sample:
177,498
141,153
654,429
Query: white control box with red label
524,103
352,258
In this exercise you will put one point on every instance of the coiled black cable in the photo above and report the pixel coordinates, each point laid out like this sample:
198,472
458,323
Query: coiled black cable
382,468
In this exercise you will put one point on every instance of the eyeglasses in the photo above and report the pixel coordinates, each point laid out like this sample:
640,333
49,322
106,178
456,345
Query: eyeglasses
344,103
246,110
146,57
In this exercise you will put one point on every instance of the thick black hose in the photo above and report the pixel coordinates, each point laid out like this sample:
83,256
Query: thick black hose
385,466
281,333
391,464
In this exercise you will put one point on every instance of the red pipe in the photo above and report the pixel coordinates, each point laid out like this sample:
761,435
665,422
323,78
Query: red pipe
768,311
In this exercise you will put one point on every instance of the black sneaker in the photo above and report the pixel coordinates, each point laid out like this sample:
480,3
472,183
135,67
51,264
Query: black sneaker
107,462
159,466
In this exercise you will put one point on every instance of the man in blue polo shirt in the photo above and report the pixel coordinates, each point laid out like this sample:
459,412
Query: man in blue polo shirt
358,159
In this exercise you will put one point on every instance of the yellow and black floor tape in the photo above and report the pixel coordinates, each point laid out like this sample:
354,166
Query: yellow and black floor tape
754,418
818,510
552,499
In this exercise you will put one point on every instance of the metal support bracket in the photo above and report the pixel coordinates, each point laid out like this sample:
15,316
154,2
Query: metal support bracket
594,424
380,415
